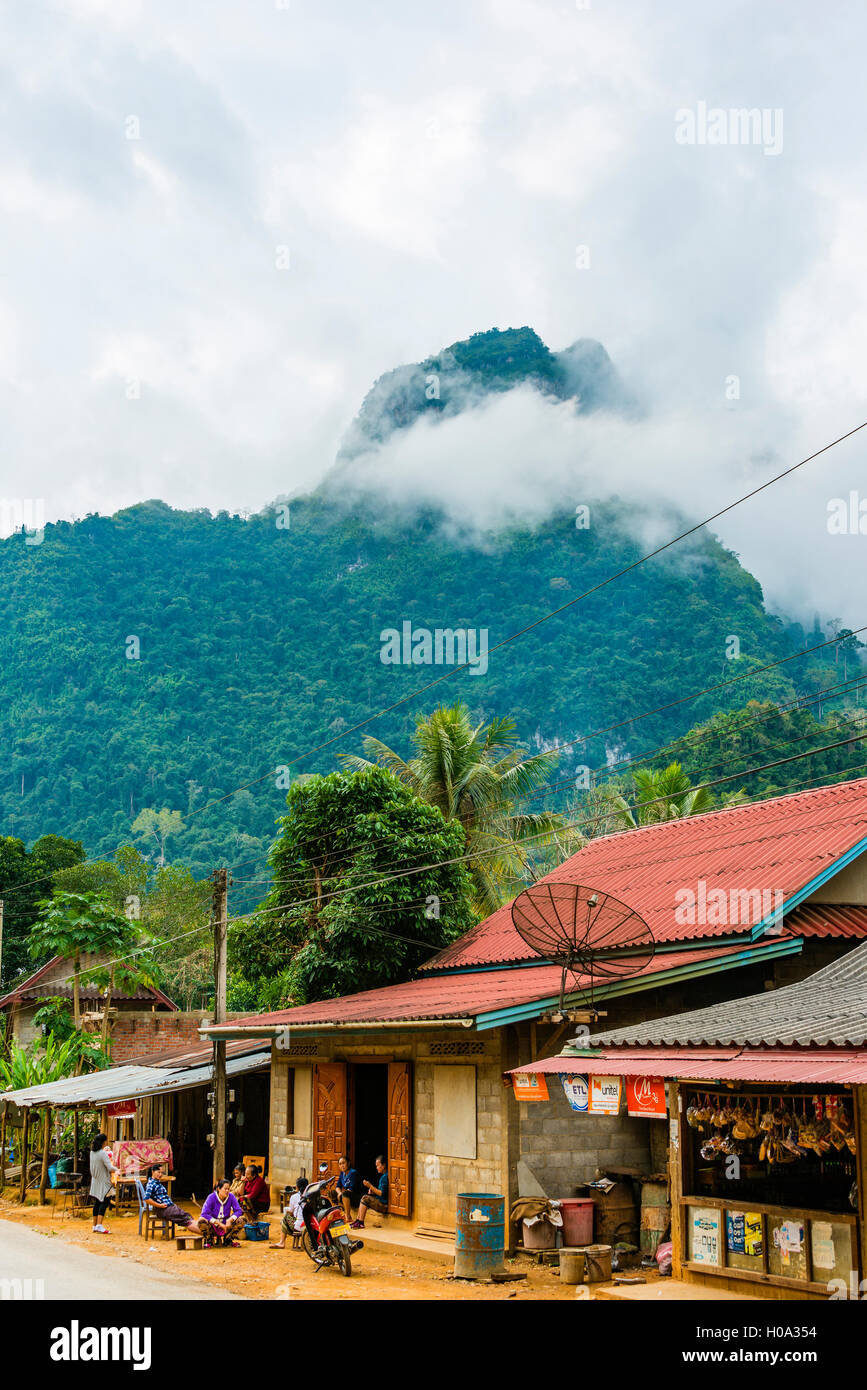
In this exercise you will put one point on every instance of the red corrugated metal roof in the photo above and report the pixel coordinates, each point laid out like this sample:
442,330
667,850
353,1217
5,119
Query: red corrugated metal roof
461,996
832,1067
779,845
827,920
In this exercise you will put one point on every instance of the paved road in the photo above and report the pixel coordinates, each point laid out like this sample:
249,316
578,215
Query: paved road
67,1271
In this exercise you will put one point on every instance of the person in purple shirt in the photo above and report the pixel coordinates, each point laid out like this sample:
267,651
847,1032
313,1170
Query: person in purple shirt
221,1216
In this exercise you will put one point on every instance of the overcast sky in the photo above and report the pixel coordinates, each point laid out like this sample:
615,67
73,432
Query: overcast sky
222,221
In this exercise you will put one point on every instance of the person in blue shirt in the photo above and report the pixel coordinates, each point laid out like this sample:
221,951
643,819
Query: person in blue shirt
375,1198
157,1197
348,1186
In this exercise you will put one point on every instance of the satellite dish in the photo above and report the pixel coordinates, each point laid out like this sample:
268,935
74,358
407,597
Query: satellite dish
584,930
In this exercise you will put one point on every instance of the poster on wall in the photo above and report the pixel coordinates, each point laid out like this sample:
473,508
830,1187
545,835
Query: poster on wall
577,1091
605,1095
744,1232
705,1244
529,1085
645,1097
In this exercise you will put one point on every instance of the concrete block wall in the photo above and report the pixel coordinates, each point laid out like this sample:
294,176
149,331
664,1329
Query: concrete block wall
437,1178
564,1149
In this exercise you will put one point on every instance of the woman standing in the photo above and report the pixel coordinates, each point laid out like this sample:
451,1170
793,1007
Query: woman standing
102,1174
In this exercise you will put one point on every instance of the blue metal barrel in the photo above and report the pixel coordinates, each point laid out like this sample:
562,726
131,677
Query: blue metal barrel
480,1229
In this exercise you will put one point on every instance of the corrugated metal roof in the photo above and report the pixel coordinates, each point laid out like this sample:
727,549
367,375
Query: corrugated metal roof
131,1082
828,920
479,993
780,845
839,1067
829,1008
40,984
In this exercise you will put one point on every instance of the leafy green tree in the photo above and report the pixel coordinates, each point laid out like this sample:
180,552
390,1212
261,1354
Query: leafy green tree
25,878
157,826
666,794
73,925
475,775
363,891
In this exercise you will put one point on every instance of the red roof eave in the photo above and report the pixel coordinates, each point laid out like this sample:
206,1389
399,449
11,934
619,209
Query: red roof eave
834,1066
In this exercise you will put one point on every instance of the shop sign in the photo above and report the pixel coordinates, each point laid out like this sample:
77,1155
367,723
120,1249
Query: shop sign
645,1097
605,1095
705,1246
577,1091
529,1085
121,1110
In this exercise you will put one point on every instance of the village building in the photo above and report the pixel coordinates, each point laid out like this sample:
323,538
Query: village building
415,1071
767,1131
19,1005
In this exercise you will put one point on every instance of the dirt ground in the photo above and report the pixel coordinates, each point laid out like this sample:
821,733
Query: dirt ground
255,1271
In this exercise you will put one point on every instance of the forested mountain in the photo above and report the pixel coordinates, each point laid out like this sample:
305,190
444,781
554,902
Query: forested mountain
159,658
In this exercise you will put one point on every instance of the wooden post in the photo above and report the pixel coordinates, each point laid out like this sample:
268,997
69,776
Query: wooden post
1,938
24,1135
3,1146
75,1140
221,886
46,1141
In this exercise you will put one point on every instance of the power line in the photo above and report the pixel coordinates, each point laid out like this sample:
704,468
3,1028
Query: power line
546,617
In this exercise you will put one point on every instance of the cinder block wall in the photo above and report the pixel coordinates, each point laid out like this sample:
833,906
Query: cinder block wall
437,1178
564,1148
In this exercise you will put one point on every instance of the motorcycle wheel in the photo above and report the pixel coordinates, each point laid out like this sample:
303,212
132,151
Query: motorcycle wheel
308,1246
344,1259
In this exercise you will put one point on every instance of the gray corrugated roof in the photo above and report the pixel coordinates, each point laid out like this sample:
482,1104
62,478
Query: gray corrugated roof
828,1009
130,1082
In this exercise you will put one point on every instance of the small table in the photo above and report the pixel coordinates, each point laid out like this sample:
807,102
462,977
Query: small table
126,1199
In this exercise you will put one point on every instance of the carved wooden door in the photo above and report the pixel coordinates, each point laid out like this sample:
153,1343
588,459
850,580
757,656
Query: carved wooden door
400,1156
329,1115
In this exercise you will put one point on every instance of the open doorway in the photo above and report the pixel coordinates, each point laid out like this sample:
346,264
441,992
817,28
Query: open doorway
368,1127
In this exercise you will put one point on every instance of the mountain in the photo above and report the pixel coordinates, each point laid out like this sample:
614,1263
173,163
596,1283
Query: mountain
466,373
161,658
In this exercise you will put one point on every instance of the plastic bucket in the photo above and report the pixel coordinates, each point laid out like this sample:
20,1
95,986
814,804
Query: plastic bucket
597,1264
577,1220
540,1236
571,1266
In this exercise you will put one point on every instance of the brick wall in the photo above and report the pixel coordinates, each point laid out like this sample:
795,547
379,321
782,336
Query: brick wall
146,1034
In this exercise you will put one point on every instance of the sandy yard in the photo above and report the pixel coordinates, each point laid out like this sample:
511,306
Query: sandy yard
255,1271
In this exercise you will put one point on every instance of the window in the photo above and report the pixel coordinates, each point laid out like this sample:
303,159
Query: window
454,1102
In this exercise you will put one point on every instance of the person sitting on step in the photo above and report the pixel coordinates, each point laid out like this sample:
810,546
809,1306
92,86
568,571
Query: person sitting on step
375,1198
221,1216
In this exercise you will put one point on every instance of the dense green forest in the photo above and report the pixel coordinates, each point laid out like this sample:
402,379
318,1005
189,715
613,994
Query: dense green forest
198,663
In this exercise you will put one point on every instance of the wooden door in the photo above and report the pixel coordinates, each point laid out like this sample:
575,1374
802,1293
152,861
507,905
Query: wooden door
399,1138
329,1115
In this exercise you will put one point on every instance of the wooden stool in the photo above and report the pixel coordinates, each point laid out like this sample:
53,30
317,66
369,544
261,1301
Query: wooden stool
190,1238
297,1240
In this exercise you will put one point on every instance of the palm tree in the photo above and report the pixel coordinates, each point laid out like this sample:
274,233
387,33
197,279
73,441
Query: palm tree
660,795
475,775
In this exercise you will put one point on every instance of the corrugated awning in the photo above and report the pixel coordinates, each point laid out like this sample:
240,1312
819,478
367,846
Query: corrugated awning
833,1067
129,1083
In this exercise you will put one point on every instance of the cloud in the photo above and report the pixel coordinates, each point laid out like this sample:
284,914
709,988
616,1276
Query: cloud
425,173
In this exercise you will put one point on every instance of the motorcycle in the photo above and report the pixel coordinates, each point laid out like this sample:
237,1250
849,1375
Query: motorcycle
326,1233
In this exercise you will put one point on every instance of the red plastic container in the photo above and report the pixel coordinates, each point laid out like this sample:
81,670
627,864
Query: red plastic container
577,1220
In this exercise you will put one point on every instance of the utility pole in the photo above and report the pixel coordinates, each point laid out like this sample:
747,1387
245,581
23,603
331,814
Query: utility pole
1,938
220,879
